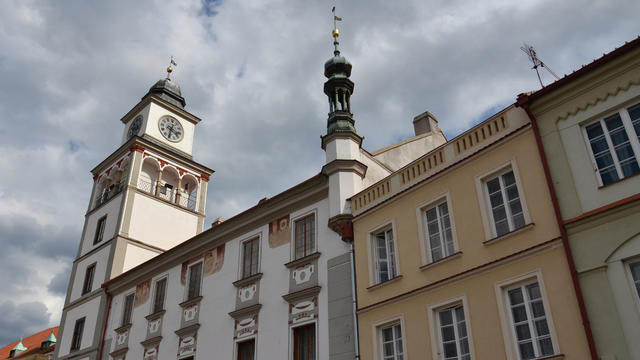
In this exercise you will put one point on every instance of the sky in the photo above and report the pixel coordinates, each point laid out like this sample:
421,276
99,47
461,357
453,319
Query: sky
253,72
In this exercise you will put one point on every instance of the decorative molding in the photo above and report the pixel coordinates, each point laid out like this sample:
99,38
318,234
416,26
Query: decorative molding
341,135
187,330
119,352
138,148
195,300
249,310
302,294
155,315
345,165
335,222
152,341
302,260
596,101
123,328
247,280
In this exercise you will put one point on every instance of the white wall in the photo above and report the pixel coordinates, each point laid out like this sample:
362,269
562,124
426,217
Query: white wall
101,259
90,310
136,255
112,210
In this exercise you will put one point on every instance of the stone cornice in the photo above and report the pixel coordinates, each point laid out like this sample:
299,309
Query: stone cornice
155,315
248,280
302,294
152,341
249,310
149,98
188,303
302,260
187,330
345,165
341,135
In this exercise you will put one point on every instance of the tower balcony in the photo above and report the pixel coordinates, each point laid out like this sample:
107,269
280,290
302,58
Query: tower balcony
169,193
108,193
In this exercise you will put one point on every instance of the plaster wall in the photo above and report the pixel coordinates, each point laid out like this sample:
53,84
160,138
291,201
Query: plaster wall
112,210
145,119
468,208
216,332
398,155
375,172
486,316
101,259
343,185
89,310
156,223
136,255
342,149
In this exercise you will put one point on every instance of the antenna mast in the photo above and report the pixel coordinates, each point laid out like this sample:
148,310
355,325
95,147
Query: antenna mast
537,62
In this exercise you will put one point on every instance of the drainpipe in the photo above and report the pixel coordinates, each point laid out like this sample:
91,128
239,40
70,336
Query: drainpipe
347,235
106,321
523,102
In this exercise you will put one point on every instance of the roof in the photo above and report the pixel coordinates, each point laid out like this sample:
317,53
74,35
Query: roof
585,69
32,343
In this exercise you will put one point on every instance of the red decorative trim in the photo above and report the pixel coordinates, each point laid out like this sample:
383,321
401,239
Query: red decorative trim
137,148
119,162
95,177
145,154
162,163
108,171
205,177
181,171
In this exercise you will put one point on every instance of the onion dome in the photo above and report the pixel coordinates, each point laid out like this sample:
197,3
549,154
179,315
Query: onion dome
169,92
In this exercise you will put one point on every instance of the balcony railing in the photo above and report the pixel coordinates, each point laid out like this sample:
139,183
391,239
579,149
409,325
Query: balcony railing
108,193
168,194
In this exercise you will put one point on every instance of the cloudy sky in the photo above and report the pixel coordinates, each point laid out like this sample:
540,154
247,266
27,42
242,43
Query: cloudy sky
253,71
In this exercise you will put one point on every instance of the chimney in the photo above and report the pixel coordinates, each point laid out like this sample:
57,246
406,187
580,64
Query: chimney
424,123
217,221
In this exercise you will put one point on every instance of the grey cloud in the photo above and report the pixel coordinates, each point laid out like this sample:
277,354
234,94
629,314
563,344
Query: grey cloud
21,320
59,283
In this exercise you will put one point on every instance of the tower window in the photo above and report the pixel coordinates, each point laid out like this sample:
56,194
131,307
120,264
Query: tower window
100,230
76,340
88,279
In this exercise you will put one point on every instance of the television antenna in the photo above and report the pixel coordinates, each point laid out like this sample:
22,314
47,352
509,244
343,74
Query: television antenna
531,53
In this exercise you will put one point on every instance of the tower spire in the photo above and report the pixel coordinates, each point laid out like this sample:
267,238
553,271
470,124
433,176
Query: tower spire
335,33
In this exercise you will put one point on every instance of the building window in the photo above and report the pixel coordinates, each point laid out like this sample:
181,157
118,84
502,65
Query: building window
384,254
246,350
127,312
439,232
615,145
635,275
195,278
250,257
304,342
305,242
77,334
454,341
530,329
100,230
391,346
88,279
504,199
158,298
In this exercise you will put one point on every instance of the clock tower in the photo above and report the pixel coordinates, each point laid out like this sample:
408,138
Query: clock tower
148,196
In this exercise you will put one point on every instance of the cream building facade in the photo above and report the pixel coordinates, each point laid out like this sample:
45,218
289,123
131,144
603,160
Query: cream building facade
589,129
459,256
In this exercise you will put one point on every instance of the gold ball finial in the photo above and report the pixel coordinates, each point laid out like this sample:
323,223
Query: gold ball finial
169,69
335,32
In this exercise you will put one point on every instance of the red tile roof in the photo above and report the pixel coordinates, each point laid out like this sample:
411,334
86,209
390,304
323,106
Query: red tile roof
32,343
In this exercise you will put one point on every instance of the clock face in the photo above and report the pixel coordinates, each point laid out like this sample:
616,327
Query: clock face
170,128
136,124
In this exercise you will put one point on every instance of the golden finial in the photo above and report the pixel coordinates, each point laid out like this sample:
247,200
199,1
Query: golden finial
335,33
169,68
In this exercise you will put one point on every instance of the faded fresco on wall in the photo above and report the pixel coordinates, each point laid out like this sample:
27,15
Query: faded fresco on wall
213,260
279,232
142,293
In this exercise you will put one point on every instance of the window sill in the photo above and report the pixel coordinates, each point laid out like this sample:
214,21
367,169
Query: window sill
248,280
250,310
190,302
153,341
551,357
155,315
302,260
509,234
123,328
455,255
393,279
617,181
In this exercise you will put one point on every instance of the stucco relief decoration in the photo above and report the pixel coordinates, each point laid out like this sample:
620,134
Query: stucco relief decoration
190,313
151,353
246,327
142,293
279,232
154,325
122,338
247,292
213,260
303,311
187,345
302,274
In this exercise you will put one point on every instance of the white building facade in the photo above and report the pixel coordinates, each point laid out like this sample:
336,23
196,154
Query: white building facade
273,282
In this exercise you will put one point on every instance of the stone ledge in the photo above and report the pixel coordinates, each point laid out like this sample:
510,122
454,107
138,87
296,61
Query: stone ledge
245,311
155,315
195,300
302,294
248,280
302,260
187,330
151,341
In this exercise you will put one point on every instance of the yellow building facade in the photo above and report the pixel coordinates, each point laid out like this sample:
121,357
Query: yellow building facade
459,256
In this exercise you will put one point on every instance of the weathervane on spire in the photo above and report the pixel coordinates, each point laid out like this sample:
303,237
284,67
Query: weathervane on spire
335,31
169,68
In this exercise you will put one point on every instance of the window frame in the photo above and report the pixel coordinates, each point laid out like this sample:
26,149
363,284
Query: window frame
243,246
376,333
188,285
101,224
76,338
293,222
292,334
372,252
155,294
508,330
434,325
88,282
423,231
243,341
632,282
127,313
633,136
485,202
